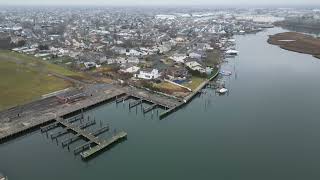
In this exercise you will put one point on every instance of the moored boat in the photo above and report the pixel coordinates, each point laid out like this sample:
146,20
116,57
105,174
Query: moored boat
225,73
222,90
232,52
3,177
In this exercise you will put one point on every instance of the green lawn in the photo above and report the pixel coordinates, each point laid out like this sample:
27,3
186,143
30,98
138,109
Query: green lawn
24,78
195,82
213,58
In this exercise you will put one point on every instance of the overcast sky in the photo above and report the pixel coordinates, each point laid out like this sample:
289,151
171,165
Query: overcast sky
159,2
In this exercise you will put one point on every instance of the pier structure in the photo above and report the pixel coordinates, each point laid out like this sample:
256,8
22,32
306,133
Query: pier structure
77,137
120,100
41,115
94,143
103,145
148,109
135,103
159,101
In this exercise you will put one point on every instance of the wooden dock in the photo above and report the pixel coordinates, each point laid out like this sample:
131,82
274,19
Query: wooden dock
76,137
94,143
37,120
135,103
153,101
120,100
49,127
148,109
78,130
103,145
75,118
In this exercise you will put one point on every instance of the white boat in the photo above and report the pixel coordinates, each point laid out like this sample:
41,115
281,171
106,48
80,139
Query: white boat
2,177
222,90
226,73
232,52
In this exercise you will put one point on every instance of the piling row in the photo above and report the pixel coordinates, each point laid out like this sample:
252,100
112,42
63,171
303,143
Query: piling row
135,103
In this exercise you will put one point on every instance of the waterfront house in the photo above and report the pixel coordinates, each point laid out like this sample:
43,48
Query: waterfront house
131,70
179,58
195,66
148,74
89,65
133,60
195,55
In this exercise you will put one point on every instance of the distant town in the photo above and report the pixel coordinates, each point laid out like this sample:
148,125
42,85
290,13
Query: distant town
169,51
165,51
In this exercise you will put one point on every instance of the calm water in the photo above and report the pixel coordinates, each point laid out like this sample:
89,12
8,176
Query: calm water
268,127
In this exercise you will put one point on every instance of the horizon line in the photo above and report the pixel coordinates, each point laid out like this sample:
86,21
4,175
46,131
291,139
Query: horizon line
206,5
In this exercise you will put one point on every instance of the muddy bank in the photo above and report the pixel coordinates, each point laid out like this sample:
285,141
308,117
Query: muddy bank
297,42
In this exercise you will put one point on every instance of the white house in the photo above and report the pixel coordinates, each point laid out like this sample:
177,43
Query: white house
118,50
148,74
195,66
195,55
178,58
89,65
133,60
133,52
131,70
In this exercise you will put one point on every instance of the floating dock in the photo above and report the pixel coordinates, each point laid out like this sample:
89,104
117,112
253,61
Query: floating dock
94,143
76,137
103,145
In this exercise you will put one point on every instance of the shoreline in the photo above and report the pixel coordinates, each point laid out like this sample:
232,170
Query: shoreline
296,42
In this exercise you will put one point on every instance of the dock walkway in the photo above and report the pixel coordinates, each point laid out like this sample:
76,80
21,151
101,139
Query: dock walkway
104,144
79,131
94,143
33,120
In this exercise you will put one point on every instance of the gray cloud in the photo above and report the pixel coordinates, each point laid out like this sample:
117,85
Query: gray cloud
158,2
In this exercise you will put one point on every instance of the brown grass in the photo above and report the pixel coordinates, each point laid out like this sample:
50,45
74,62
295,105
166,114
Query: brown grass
302,43
169,88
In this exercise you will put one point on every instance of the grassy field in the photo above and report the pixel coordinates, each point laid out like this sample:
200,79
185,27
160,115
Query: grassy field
213,58
24,78
194,83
